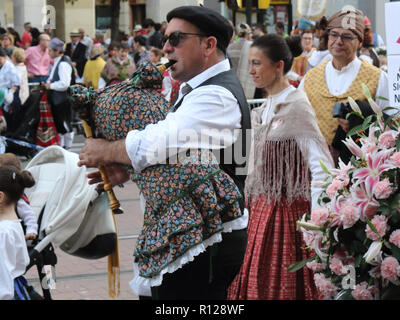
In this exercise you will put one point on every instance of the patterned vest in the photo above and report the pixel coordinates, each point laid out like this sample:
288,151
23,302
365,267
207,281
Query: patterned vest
323,101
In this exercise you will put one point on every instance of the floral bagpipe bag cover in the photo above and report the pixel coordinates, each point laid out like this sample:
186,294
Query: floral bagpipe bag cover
188,203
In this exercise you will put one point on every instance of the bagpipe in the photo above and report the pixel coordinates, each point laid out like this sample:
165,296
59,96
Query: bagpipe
187,202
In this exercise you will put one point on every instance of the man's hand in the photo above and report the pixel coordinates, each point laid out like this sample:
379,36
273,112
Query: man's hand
344,124
46,85
116,175
94,153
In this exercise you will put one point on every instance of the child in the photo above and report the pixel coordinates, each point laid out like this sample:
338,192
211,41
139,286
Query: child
13,251
23,209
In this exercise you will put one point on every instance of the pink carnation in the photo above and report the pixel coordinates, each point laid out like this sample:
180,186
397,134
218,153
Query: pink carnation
334,187
380,224
361,292
349,215
383,189
319,216
395,238
388,139
336,265
395,159
390,269
325,286
315,266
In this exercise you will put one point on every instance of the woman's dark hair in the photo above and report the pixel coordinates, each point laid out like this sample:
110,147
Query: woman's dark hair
277,48
15,34
13,182
323,34
35,36
141,40
123,46
3,52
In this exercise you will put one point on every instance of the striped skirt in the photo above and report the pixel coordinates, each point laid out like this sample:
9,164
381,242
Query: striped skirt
273,245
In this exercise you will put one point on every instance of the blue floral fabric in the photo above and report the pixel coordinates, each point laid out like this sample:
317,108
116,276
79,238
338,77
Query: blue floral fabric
187,202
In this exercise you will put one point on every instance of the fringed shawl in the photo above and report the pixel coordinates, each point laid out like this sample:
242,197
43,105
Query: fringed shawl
279,157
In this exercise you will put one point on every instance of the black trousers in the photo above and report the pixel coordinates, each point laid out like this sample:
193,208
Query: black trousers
62,115
209,275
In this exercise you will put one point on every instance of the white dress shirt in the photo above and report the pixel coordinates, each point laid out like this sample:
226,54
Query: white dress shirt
206,119
14,256
64,71
339,81
314,151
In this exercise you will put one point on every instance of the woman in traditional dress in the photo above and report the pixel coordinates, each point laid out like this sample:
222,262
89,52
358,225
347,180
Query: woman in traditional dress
287,147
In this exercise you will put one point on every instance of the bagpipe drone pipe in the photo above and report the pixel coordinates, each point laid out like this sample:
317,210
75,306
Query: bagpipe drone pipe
187,201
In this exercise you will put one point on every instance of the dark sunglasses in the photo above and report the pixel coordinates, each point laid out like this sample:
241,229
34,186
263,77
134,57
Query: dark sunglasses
175,37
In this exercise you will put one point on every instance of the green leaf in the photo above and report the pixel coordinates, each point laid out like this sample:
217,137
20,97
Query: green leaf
395,251
294,267
324,167
372,226
383,98
354,131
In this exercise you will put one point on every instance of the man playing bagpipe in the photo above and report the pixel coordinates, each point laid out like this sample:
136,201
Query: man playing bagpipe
194,234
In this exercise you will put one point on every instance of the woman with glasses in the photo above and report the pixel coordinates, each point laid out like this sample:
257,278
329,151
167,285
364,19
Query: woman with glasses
287,147
335,80
300,63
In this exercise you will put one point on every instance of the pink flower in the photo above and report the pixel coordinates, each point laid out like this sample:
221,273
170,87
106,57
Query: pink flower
380,224
361,292
388,139
325,286
320,216
390,269
363,195
383,189
337,267
395,159
349,215
395,238
334,187
315,266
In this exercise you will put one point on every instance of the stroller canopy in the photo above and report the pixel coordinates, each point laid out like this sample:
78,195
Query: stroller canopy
63,188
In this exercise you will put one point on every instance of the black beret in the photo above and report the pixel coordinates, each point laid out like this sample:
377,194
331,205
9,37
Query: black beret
210,22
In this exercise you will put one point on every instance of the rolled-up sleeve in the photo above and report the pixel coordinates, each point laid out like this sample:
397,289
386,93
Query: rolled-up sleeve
209,118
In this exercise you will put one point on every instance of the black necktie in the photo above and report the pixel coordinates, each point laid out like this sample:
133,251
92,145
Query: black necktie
185,90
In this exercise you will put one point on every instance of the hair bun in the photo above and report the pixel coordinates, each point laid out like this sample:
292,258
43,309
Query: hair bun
294,44
27,179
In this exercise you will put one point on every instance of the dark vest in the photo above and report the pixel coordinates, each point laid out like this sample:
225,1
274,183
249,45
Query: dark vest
58,97
233,160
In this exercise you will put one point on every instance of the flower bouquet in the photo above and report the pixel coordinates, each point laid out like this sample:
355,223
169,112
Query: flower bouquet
356,231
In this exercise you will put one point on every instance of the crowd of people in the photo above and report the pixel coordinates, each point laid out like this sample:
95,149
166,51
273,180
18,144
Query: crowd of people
218,68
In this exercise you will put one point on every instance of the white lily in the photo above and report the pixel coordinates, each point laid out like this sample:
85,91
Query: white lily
354,105
373,251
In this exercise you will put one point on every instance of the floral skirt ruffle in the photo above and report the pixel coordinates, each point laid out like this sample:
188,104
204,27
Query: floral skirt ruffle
186,204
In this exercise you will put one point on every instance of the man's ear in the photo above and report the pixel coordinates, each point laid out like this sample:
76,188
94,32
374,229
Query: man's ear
211,45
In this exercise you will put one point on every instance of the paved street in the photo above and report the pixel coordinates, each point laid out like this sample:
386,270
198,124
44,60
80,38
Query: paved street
81,279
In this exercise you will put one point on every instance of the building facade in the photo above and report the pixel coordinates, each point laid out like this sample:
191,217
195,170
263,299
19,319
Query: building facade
96,14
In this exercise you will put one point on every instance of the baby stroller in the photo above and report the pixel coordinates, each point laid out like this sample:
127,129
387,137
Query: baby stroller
72,215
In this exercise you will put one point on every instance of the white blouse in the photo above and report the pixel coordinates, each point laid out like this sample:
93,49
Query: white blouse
14,256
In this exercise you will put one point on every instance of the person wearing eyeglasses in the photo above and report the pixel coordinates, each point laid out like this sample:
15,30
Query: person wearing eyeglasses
335,80
300,63
211,113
